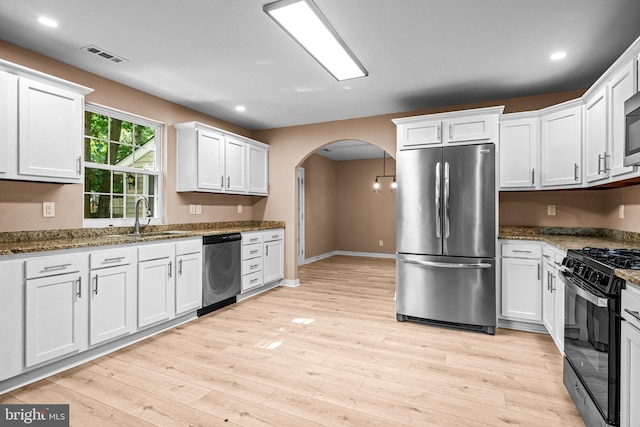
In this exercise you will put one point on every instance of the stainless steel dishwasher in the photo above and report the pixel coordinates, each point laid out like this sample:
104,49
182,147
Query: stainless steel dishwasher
221,270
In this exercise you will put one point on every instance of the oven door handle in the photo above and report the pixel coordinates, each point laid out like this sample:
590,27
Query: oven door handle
600,302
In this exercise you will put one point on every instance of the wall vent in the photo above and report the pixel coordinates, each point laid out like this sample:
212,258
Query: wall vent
104,54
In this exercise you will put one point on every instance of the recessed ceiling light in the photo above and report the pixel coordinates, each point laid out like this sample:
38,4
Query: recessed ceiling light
48,22
241,108
556,56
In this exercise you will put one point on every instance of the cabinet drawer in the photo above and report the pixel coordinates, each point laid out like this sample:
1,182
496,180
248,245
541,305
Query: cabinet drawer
515,250
251,238
111,258
252,251
271,235
147,253
251,265
53,265
188,247
252,280
631,302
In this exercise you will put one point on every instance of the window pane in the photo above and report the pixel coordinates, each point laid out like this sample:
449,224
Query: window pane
145,158
152,205
142,135
121,131
97,180
120,155
96,206
151,185
118,182
95,151
118,207
98,125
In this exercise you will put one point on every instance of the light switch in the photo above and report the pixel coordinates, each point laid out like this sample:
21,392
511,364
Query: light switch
551,210
621,211
48,209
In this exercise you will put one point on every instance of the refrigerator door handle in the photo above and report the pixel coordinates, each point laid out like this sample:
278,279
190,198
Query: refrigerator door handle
437,192
446,264
446,200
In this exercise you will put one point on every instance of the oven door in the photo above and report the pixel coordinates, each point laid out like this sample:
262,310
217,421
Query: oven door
589,345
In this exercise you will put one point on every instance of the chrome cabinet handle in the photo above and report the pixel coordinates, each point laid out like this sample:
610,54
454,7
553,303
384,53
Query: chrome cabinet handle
633,313
79,165
438,219
520,251
266,248
445,264
546,256
79,293
533,176
180,268
446,200
553,281
439,133
109,260
548,280
604,157
450,131
170,268
253,267
575,171
95,288
221,181
228,181
254,280
56,267
539,270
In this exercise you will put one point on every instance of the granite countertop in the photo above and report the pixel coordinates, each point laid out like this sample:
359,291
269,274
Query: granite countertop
566,238
21,242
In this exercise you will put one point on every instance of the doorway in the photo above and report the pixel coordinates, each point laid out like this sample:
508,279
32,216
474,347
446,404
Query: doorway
300,215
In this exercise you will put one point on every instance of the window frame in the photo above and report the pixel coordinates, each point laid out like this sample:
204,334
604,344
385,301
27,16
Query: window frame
158,173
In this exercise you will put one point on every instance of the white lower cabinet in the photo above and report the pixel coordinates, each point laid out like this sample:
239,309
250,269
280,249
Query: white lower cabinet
630,359
273,265
553,296
521,282
155,283
11,318
112,286
252,260
56,307
188,276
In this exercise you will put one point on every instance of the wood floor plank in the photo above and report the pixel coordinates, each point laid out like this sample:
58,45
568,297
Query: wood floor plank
327,353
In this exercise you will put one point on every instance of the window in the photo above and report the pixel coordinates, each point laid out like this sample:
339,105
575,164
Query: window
121,163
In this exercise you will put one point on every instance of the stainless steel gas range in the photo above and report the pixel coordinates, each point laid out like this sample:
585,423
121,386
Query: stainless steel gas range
592,330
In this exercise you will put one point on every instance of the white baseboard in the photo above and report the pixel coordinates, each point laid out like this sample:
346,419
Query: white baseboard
290,283
348,253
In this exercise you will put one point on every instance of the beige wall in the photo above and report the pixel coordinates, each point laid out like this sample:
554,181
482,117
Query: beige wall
319,206
21,203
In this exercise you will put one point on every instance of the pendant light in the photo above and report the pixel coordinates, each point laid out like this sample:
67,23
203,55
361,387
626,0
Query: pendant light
376,184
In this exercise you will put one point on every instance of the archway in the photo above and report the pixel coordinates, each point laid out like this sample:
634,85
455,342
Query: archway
289,147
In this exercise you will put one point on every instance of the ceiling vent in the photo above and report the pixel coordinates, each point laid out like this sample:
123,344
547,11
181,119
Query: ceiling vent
104,54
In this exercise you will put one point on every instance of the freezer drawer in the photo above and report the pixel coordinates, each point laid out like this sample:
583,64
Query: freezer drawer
456,290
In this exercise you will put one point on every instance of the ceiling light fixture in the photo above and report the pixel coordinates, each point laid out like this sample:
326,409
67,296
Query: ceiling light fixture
558,56
303,21
241,108
48,22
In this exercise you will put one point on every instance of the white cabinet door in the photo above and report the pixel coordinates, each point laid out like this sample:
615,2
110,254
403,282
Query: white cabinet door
548,299
111,303
258,169
596,145
155,280
521,289
210,161
558,292
235,163
50,132
620,88
518,153
53,317
8,120
419,134
273,265
188,282
629,376
12,326
561,143
466,129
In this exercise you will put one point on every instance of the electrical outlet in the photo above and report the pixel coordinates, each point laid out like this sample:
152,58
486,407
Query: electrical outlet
239,208
192,209
621,211
381,243
551,210
198,209
48,209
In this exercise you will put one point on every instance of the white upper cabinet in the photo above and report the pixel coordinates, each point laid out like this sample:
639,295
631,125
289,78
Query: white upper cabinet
458,127
561,146
235,165
41,126
212,160
620,88
596,144
519,144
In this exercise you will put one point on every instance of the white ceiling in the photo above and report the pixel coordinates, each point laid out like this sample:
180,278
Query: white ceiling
350,150
211,55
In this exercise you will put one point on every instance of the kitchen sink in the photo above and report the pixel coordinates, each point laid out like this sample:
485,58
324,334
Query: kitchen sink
151,234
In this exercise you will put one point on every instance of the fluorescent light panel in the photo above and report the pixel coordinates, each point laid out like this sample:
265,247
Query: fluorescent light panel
303,21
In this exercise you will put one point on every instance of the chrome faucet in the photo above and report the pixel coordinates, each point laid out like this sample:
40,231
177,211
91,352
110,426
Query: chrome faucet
136,225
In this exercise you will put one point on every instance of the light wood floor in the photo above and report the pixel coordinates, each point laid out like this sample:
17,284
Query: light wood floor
330,353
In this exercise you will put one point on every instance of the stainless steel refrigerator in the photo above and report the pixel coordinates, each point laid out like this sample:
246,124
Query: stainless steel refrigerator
446,236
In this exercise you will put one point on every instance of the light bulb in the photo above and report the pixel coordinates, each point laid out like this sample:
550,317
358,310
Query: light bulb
376,186
394,185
